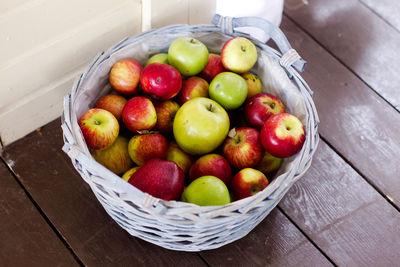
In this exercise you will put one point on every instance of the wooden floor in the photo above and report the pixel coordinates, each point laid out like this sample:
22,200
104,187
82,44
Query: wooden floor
344,211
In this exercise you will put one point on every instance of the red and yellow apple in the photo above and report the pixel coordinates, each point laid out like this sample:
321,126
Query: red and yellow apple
180,157
144,147
242,147
248,182
127,175
282,135
254,85
260,107
125,75
165,111
113,103
213,67
139,114
211,164
193,87
99,127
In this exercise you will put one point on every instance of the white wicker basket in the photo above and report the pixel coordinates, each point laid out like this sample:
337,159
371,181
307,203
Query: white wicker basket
172,224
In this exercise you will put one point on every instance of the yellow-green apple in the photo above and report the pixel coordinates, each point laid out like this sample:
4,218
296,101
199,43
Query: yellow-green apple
248,182
162,81
213,67
282,135
188,55
144,147
159,58
254,85
260,107
206,191
193,87
165,111
243,148
99,127
124,76
127,175
211,164
200,126
228,89
112,103
180,157
159,178
239,55
115,157
268,163
139,114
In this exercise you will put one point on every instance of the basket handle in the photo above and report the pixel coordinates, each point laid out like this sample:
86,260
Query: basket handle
290,56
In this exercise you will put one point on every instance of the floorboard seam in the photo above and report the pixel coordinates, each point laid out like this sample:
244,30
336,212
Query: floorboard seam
380,16
41,212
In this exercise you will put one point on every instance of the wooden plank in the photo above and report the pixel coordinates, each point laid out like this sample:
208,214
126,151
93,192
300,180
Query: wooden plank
354,120
359,38
274,242
346,218
389,10
48,175
25,237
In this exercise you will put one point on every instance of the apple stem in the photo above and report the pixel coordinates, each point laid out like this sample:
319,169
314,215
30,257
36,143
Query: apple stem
232,133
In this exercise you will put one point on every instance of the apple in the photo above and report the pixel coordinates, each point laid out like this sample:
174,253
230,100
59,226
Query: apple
99,127
213,67
248,182
200,126
239,55
112,103
211,164
115,157
254,85
268,163
242,147
165,111
160,80
260,107
177,155
282,135
159,58
206,191
159,178
124,76
127,175
193,87
228,89
139,114
188,55
144,147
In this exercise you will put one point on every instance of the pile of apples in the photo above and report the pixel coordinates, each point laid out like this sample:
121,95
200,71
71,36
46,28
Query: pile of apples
191,125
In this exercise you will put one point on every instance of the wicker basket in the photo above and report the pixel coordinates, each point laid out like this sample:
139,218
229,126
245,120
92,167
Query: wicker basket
178,225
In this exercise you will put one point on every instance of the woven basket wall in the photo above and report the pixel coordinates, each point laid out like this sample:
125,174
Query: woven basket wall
178,225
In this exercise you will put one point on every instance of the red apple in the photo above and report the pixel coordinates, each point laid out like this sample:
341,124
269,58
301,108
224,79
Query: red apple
213,67
191,88
165,111
248,182
177,155
282,135
125,75
260,107
268,163
161,80
144,147
159,178
211,164
139,114
239,55
113,103
115,157
99,127
242,147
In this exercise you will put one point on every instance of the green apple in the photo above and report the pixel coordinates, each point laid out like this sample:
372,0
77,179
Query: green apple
200,126
228,89
188,55
159,58
206,191
239,54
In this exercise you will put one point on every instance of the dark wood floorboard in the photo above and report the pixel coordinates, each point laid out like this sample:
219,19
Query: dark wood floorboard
25,237
346,218
354,120
359,38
